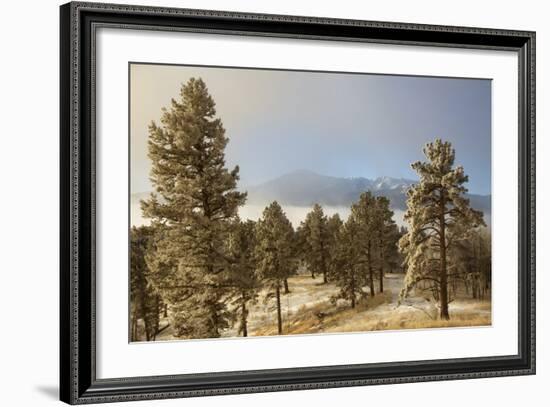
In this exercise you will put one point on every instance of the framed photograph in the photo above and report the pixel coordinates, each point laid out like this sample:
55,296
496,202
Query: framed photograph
255,203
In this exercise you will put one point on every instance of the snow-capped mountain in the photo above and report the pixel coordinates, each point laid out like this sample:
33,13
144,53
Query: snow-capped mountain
303,188
382,183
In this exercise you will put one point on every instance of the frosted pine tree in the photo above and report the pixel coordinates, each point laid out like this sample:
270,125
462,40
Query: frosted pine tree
274,254
301,247
334,226
240,248
387,237
470,263
365,213
317,242
439,216
195,200
348,259
145,302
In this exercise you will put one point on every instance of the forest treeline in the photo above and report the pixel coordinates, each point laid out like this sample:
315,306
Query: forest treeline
200,267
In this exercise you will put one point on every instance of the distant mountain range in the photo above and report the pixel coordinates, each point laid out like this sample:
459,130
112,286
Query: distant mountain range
303,188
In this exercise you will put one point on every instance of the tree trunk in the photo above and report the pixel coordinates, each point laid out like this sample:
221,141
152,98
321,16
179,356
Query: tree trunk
243,318
147,330
287,291
144,309
157,319
352,291
443,295
453,287
381,271
381,285
323,263
214,316
134,326
165,310
279,318
371,273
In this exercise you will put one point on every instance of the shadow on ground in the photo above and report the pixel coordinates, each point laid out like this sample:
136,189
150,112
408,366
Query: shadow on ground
49,391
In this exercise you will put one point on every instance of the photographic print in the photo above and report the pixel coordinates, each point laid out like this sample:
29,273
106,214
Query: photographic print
278,202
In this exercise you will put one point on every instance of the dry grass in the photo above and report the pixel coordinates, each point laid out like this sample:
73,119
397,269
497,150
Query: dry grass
375,314
388,316
308,310
411,320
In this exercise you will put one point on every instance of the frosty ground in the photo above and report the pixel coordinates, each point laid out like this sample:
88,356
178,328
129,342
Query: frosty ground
308,309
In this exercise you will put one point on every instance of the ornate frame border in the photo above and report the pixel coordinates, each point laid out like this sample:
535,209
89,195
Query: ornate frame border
78,382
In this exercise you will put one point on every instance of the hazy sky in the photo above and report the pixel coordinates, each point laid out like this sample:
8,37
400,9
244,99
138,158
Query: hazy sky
350,125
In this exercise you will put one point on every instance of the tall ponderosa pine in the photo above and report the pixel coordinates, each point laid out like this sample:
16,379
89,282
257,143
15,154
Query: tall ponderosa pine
365,214
195,201
274,254
240,248
317,241
301,246
334,226
347,260
144,300
439,216
387,237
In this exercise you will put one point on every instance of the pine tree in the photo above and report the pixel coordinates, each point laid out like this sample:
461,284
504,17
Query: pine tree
484,259
439,216
348,257
317,241
274,254
301,247
387,237
366,215
470,263
240,247
401,258
195,201
334,226
392,260
144,300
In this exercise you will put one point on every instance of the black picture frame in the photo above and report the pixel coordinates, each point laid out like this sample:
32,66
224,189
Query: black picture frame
78,382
